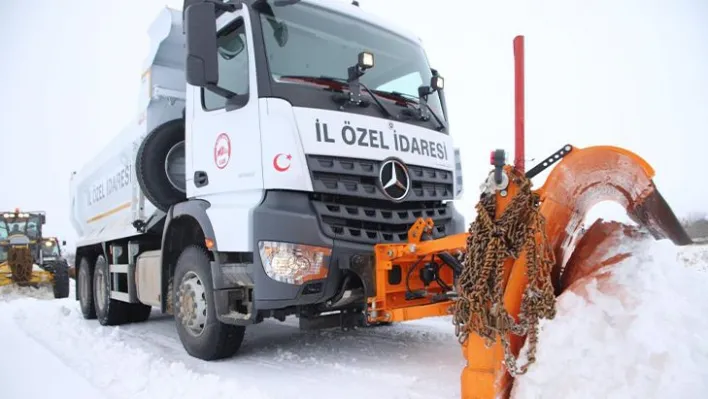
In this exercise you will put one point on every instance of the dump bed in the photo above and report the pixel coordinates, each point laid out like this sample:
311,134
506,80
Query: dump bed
105,195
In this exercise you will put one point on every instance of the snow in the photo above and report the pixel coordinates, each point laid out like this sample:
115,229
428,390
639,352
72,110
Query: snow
277,360
644,343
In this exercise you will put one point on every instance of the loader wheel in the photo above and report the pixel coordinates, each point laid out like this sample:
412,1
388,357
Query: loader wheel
61,280
110,312
202,334
84,288
159,165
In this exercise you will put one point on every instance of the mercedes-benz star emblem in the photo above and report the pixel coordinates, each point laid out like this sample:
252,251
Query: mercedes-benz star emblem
394,179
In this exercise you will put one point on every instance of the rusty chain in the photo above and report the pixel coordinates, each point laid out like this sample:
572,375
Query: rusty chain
480,287
20,262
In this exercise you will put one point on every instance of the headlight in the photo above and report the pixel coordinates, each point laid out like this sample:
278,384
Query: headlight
294,263
47,243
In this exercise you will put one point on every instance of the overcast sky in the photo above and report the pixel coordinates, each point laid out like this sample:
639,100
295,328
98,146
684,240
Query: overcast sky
627,73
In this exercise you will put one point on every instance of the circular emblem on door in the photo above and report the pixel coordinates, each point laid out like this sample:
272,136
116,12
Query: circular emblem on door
222,151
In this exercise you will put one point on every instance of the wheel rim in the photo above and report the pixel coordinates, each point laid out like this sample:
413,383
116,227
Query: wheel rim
85,289
175,162
192,304
100,288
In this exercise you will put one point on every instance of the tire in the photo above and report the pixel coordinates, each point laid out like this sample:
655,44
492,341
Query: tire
109,312
216,340
60,285
150,165
84,289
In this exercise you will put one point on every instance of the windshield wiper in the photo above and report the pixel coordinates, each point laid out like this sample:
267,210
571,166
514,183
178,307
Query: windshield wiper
409,99
346,98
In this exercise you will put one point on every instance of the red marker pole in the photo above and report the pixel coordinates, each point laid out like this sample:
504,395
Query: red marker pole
519,145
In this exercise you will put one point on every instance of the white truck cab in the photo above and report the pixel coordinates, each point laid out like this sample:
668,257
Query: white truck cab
278,141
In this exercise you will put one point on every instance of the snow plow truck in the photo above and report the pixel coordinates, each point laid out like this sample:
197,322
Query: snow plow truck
27,258
294,158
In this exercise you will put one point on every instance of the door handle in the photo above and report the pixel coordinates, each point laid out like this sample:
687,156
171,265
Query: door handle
200,178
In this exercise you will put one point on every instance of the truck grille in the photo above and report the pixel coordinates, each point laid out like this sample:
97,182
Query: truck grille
350,206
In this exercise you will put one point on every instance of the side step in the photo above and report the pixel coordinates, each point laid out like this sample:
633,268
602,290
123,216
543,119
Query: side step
123,286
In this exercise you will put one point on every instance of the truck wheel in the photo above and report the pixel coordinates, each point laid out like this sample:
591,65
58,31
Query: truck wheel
84,288
109,312
202,334
61,280
159,165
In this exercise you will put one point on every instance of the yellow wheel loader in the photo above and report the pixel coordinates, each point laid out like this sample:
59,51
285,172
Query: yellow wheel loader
29,259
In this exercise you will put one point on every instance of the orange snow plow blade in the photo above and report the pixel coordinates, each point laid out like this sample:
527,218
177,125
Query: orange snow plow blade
579,181
524,248
492,281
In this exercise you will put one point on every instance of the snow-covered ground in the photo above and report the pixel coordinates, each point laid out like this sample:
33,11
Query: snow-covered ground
648,344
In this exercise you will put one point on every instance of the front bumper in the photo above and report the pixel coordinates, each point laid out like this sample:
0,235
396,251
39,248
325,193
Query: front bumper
290,217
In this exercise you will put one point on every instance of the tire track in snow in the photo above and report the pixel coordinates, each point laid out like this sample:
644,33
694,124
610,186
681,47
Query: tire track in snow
281,345
147,360
111,365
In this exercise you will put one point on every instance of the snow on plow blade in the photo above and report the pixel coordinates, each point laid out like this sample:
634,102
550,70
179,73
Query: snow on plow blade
583,178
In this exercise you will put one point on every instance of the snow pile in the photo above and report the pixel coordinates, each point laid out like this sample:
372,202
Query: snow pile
13,292
695,257
10,293
648,343
418,360
118,370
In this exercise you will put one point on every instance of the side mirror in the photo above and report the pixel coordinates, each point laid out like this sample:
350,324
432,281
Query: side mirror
202,66
63,243
281,34
231,47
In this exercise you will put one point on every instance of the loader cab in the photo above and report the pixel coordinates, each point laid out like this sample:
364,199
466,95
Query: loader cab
20,228
21,223
50,249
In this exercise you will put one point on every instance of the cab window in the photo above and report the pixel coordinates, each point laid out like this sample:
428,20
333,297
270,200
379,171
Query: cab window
232,54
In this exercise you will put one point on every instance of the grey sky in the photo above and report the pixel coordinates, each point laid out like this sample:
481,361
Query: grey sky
628,73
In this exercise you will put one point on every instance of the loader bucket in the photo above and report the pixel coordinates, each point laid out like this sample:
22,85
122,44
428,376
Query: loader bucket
580,180
18,269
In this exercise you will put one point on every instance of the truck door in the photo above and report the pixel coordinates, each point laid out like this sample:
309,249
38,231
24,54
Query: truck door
223,136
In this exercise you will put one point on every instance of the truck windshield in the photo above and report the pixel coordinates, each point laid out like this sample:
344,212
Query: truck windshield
325,43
